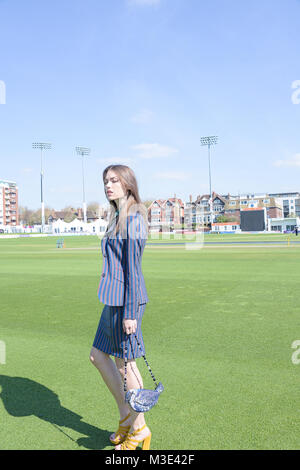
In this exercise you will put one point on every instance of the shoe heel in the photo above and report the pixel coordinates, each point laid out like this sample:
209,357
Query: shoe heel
146,443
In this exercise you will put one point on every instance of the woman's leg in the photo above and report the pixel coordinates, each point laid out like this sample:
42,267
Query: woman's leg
111,377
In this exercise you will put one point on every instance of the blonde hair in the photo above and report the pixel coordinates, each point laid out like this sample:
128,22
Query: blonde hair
130,204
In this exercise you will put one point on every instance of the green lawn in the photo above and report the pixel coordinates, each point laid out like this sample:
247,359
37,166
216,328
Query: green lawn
218,331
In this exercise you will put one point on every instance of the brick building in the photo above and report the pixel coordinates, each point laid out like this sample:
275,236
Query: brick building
9,207
165,212
198,211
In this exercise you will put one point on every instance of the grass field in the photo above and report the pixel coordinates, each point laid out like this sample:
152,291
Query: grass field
218,331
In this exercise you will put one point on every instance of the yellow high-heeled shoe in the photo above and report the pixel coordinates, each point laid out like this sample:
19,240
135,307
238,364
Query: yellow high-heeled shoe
121,433
131,444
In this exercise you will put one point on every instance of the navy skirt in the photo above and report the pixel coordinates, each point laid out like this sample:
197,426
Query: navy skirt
110,337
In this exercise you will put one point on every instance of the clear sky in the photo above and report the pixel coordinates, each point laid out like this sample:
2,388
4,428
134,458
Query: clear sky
139,82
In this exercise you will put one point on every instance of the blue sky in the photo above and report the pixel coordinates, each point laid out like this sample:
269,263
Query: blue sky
139,82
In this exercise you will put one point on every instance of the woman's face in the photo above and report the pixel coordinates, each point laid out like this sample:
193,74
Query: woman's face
112,186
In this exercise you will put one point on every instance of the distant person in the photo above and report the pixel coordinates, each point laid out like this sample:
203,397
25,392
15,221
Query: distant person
122,290
296,230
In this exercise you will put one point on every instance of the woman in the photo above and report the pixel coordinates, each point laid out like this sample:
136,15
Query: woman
122,290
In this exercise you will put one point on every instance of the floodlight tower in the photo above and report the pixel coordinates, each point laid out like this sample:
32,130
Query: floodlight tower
210,140
83,151
42,146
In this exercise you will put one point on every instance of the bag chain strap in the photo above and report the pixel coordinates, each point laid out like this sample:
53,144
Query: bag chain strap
125,375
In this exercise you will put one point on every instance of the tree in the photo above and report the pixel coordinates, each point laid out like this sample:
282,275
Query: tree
147,203
221,218
68,214
31,217
227,218
24,215
94,207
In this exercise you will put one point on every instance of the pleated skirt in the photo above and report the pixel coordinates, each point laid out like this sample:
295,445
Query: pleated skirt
110,337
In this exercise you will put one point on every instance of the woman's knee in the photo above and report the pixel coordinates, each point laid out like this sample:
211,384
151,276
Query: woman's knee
98,357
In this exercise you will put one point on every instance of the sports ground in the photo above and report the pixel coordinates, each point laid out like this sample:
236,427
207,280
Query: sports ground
218,331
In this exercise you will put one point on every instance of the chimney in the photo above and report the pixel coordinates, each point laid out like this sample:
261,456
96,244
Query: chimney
191,198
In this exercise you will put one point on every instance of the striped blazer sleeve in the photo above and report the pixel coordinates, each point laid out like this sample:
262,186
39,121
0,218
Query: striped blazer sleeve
132,253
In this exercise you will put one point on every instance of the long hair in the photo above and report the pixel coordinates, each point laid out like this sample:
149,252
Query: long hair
130,204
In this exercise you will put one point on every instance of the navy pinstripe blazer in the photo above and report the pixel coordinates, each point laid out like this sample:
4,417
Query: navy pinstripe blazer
122,281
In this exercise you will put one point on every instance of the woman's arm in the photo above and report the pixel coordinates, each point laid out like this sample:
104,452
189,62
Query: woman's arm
132,251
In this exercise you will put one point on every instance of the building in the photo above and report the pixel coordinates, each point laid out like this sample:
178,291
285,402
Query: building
55,215
91,216
166,213
287,224
225,227
77,227
9,207
190,214
234,204
217,208
290,203
199,213
230,207
224,212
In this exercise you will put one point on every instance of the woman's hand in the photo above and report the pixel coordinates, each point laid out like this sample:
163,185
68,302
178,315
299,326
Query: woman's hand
129,326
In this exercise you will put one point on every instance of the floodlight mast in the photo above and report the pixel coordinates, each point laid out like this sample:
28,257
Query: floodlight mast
83,151
208,141
42,146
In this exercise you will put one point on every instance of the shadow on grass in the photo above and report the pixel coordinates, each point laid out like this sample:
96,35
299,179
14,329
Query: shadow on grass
24,397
